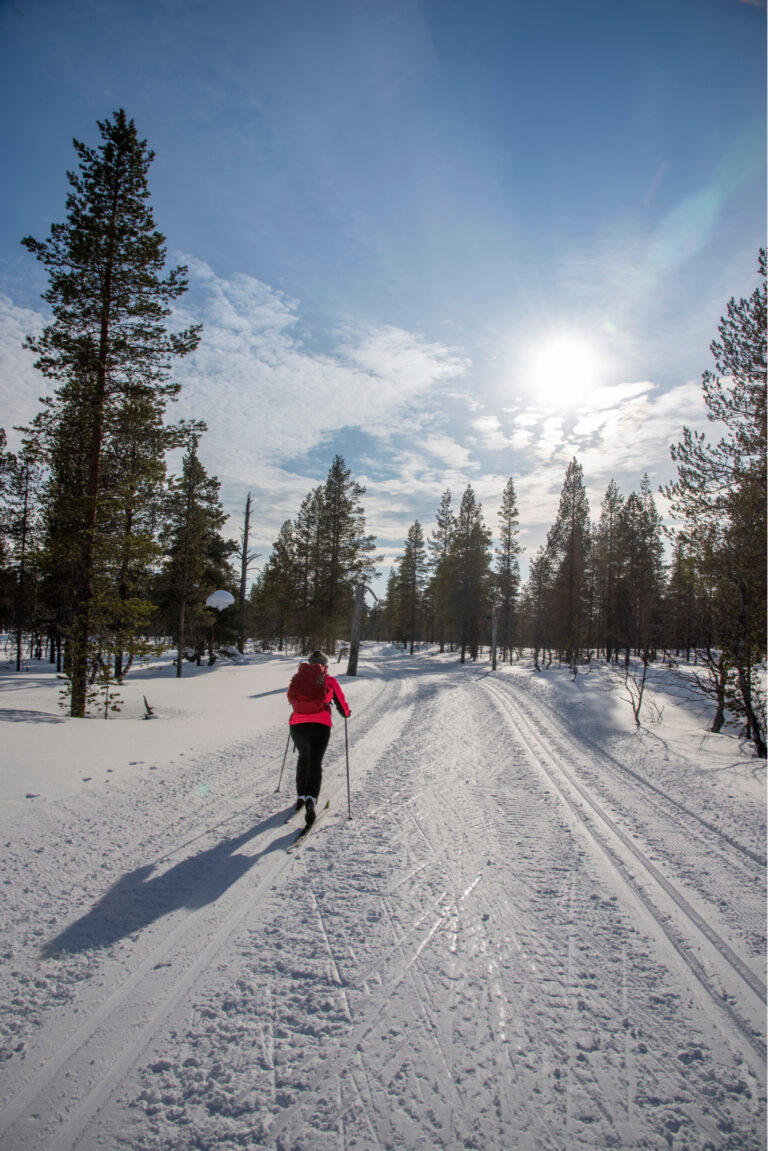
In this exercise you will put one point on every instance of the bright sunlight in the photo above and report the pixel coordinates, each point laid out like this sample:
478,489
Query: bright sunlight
562,369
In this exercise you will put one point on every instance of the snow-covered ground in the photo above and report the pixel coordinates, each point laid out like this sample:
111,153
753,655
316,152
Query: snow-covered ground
540,929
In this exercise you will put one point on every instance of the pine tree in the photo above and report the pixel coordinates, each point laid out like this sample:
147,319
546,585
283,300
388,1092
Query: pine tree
469,573
411,580
568,547
607,564
307,551
391,612
110,349
536,606
23,475
682,618
640,577
720,492
345,549
439,549
507,568
197,556
277,589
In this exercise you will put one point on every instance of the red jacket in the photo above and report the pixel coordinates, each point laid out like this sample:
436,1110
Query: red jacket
333,694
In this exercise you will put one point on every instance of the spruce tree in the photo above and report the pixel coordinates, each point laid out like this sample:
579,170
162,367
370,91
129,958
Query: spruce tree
507,568
197,556
109,348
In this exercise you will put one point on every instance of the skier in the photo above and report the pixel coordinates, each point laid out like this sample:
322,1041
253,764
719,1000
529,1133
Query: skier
311,693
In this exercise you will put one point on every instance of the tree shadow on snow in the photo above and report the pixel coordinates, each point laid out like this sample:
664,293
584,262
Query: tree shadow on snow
20,715
138,899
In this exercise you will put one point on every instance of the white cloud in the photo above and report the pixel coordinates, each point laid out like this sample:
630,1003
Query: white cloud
271,398
445,448
635,437
20,384
490,434
267,397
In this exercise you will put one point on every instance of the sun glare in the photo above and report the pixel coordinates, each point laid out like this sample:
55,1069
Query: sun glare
561,370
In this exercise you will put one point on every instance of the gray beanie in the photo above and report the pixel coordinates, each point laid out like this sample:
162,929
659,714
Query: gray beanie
318,657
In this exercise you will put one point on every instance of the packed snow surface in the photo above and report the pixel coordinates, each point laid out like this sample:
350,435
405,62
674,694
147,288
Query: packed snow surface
540,928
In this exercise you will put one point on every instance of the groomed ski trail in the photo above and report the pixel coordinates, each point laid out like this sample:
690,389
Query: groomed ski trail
474,961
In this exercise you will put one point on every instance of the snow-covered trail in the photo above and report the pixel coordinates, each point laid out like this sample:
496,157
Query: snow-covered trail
519,940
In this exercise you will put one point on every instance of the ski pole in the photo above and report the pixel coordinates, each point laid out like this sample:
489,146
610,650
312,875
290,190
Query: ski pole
346,748
280,780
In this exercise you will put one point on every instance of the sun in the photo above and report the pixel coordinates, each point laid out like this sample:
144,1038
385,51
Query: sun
562,369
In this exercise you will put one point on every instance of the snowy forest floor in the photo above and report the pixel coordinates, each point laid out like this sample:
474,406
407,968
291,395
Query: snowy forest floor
541,929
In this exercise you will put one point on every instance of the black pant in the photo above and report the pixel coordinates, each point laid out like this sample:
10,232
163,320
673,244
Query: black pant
310,740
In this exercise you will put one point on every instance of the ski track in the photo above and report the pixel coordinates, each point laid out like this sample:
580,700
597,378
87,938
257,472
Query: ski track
517,942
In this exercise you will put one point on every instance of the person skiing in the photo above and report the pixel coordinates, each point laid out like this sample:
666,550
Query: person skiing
311,692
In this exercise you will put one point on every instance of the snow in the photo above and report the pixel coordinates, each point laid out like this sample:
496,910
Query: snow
540,928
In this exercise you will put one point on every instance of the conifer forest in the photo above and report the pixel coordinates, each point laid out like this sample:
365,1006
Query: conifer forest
106,552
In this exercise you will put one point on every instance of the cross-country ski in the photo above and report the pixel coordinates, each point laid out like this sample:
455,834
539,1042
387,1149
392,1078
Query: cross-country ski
308,827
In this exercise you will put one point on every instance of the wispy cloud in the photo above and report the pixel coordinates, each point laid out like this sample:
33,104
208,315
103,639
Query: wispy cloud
269,397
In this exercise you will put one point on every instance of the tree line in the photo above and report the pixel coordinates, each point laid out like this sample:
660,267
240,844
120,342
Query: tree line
102,550
601,588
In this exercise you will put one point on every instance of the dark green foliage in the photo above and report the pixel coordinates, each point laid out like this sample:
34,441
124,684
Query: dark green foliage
469,574
568,551
101,434
507,569
344,550
307,587
20,481
276,594
720,497
439,549
196,561
411,583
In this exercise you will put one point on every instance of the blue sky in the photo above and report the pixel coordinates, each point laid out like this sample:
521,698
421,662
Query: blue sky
453,240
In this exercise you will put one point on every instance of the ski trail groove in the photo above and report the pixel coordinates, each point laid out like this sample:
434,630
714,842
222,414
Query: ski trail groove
550,763
155,983
620,770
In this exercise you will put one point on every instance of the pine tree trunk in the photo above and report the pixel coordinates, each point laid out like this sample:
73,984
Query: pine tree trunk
180,648
84,592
